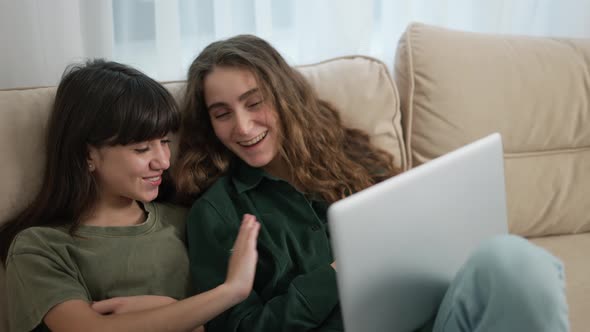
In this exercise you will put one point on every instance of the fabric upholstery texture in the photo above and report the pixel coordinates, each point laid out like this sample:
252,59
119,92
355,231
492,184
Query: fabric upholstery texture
24,115
456,87
3,304
573,251
363,90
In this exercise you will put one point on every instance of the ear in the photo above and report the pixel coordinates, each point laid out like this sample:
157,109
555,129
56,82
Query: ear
93,158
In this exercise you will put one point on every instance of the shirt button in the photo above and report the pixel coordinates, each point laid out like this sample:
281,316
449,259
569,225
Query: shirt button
315,228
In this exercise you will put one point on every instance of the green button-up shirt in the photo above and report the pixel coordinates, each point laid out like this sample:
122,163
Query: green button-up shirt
295,286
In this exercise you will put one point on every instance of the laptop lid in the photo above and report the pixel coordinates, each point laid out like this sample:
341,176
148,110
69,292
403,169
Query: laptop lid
399,243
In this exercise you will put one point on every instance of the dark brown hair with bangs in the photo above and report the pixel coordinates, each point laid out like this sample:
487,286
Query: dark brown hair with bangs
324,157
98,103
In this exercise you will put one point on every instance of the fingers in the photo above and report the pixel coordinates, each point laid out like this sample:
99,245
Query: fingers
253,234
242,262
253,226
248,233
125,304
105,306
248,219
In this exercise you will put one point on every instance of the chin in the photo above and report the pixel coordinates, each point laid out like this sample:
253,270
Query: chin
148,197
257,163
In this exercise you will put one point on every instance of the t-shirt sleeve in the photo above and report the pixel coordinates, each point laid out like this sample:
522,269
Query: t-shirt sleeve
308,301
36,281
174,215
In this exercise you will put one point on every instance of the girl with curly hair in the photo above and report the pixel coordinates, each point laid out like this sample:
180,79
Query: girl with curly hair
256,139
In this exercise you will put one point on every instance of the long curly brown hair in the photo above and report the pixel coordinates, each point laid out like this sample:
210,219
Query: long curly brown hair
324,157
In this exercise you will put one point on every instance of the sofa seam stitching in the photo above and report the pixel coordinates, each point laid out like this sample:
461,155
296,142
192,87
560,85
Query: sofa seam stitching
410,112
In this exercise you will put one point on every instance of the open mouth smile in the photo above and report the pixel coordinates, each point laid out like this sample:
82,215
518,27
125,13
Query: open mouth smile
154,180
254,140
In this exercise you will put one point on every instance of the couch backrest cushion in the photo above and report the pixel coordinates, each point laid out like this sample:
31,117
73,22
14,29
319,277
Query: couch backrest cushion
23,121
364,92
360,87
457,86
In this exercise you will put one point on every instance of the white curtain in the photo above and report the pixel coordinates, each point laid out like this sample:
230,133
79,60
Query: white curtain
161,37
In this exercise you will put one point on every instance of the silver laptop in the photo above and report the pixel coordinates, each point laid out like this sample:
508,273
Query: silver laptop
399,243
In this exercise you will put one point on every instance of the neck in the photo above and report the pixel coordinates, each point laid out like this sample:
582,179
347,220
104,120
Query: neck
279,169
115,212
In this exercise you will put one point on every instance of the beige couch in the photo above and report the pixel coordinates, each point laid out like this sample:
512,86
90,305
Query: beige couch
450,88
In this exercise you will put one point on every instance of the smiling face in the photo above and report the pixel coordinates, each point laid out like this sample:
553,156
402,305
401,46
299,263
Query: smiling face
242,119
130,172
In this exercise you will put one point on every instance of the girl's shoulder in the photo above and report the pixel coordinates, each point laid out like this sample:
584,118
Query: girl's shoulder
167,209
219,191
39,240
168,213
218,203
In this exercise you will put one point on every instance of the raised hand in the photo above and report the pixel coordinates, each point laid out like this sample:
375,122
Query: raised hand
242,264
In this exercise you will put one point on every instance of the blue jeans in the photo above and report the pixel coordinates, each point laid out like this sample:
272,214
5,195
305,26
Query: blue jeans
508,284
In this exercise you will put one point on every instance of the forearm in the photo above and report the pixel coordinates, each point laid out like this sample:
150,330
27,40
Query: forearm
184,315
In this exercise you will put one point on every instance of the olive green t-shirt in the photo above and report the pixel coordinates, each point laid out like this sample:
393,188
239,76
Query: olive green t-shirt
47,266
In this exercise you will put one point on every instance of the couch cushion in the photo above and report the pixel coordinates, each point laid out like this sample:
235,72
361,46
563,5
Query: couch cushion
23,118
23,122
3,304
573,251
456,87
363,90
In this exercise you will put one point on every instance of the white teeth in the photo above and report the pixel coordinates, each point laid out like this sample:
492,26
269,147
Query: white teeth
254,140
155,178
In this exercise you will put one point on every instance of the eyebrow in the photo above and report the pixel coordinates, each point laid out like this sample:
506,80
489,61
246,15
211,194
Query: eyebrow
243,96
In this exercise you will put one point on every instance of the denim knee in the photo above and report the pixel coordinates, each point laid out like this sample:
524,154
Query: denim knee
519,276
513,263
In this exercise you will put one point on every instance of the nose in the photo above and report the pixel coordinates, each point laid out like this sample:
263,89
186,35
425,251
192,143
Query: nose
243,122
161,158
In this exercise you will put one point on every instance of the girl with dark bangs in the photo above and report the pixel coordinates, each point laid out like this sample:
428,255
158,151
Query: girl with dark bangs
256,139
93,252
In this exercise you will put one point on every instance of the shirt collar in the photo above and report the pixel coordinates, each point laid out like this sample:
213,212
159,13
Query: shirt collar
246,177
